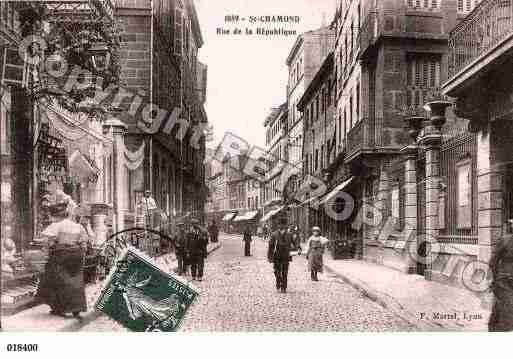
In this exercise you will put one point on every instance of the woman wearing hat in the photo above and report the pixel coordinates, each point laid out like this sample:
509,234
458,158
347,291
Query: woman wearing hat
315,251
62,285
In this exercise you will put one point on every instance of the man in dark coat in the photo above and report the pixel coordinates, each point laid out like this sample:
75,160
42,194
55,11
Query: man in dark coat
180,249
213,231
246,238
278,253
197,251
501,264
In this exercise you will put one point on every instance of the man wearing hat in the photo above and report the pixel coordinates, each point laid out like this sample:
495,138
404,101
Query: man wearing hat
197,242
180,243
278,253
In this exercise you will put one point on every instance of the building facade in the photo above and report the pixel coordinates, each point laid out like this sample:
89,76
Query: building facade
276,147
472,68
160,44
304,59
390,60
49,146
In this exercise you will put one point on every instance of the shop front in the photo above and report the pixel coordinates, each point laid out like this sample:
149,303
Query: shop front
227,222
246,220
53,156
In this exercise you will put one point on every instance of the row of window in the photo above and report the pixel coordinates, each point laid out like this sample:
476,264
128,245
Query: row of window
9,17
463,5
296,145
318,106
253,203
347,50
271,190
424,4
295,73
349,115
316,160
272,132
423,73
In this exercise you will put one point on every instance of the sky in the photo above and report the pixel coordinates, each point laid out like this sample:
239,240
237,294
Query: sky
247,75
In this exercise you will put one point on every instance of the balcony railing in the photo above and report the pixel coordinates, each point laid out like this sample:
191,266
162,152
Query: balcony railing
68,10
363,137
484,28
355,138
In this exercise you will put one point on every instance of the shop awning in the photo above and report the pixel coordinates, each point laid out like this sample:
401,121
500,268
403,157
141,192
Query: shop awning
270,214
309,201
336,190
246,216
229,216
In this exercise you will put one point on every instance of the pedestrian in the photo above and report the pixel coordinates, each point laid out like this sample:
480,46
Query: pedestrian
501,265
314,252
266,232
246,238
278,253
214,232
197,249
296,238
62,284
180,249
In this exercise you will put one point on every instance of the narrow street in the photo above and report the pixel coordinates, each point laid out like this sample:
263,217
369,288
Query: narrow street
238,294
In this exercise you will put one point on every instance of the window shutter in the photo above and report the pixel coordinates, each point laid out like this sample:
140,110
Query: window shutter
178,45
13,68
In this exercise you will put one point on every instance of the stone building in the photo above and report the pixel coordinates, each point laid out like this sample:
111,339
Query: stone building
304,59
390,60
479,77
51,147
47,146
234,197
160,44
276,146
320,160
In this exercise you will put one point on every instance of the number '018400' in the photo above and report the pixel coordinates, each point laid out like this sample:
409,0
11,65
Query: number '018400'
22,347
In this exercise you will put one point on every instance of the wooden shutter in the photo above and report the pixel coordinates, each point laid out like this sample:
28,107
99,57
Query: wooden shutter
178,43
13,67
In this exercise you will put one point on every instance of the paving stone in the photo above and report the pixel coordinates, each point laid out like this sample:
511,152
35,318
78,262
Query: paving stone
238,294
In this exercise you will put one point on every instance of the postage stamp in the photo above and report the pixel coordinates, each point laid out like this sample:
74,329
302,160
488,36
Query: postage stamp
142,298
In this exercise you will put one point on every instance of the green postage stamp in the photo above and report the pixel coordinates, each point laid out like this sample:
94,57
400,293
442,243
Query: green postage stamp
141,297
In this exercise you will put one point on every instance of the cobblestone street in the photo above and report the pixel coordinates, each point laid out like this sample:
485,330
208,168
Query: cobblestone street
238,294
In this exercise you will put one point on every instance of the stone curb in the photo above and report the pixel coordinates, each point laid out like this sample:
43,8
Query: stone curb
91,316
387,302
384,301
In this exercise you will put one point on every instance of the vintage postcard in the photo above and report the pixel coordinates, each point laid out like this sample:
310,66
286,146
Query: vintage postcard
256,166
141,297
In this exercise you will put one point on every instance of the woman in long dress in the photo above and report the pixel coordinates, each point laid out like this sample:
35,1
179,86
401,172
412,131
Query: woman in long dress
314,252
62,285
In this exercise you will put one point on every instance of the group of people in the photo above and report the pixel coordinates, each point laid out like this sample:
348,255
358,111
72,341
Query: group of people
68,238
284,242
191,249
